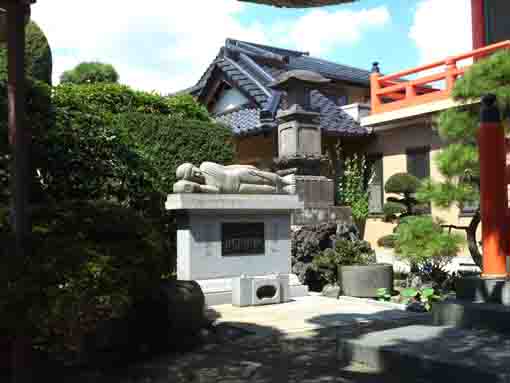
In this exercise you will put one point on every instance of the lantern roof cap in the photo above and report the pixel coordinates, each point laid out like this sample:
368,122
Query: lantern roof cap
306,77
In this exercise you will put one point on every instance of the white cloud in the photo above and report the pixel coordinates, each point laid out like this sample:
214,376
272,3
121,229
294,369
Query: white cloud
320,31
166,45
158,45
442,28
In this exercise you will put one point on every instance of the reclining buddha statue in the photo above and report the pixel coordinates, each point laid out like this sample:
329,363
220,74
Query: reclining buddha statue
231,179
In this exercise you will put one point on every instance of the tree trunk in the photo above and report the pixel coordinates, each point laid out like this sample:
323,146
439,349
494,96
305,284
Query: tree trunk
471,239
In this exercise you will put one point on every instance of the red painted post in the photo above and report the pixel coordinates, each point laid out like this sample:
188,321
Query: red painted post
493,196
374,88
478,21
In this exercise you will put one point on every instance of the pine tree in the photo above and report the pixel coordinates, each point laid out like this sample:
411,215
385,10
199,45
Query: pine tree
458,162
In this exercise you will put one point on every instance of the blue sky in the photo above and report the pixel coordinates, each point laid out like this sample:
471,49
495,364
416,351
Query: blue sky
167,45
389,44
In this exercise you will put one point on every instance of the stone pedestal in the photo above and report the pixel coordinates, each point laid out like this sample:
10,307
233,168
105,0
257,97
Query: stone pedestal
482,290
225,236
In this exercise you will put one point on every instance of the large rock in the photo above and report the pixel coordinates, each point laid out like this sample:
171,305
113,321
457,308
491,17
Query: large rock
309,241
171,313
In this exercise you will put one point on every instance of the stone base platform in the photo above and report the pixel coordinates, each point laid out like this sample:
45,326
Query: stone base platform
493,316
436,354
476,289
219,291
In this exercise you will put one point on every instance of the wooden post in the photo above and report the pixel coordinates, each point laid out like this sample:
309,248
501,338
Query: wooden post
493,196
19,138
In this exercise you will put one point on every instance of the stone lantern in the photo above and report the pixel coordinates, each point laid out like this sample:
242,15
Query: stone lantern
300,148
299,133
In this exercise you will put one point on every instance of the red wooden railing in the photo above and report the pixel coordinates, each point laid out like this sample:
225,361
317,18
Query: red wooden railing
393,92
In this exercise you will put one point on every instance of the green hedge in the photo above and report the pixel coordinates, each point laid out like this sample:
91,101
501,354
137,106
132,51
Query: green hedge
167,143
88,259
115,99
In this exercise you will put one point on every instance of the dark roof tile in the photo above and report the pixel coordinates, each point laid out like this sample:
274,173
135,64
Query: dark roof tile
247,121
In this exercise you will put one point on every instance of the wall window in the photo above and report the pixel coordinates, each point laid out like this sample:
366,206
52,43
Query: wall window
418,164
375,184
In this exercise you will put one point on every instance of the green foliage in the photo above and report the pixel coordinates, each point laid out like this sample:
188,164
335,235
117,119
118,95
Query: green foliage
421,240
108,142
111,99
87,257
353,189
458,163
394,209
405,185
38,56
491,75
186,107
82,157
90,73
167,143
402,183
426,296
39,118
346,253
383,295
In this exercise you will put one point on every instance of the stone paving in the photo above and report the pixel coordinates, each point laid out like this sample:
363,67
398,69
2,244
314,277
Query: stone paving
312,312
293,342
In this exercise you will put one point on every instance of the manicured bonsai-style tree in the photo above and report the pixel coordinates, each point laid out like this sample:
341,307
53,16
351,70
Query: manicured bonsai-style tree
404,185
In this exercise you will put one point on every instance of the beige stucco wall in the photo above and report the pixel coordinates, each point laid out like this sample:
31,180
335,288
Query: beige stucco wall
393,144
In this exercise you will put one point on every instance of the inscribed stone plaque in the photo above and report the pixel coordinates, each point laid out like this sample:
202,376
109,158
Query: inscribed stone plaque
238,239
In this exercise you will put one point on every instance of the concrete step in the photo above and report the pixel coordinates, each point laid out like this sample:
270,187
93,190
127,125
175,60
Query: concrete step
491,316
432,353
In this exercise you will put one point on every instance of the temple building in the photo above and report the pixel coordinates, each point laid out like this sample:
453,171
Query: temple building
236,90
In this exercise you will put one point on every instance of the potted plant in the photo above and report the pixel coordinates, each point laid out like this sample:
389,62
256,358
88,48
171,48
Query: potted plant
351,264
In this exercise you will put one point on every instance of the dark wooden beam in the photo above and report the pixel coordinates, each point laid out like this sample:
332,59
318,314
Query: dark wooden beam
299,3
19,137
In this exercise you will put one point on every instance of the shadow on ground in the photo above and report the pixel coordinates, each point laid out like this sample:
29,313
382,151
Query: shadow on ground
252,353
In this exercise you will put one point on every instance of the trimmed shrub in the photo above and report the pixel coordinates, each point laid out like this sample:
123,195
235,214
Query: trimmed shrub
90,73
345,253
402,183
405,185
167,143
39,63
111,99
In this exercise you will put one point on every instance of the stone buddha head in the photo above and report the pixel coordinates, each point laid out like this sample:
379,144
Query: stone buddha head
189,172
